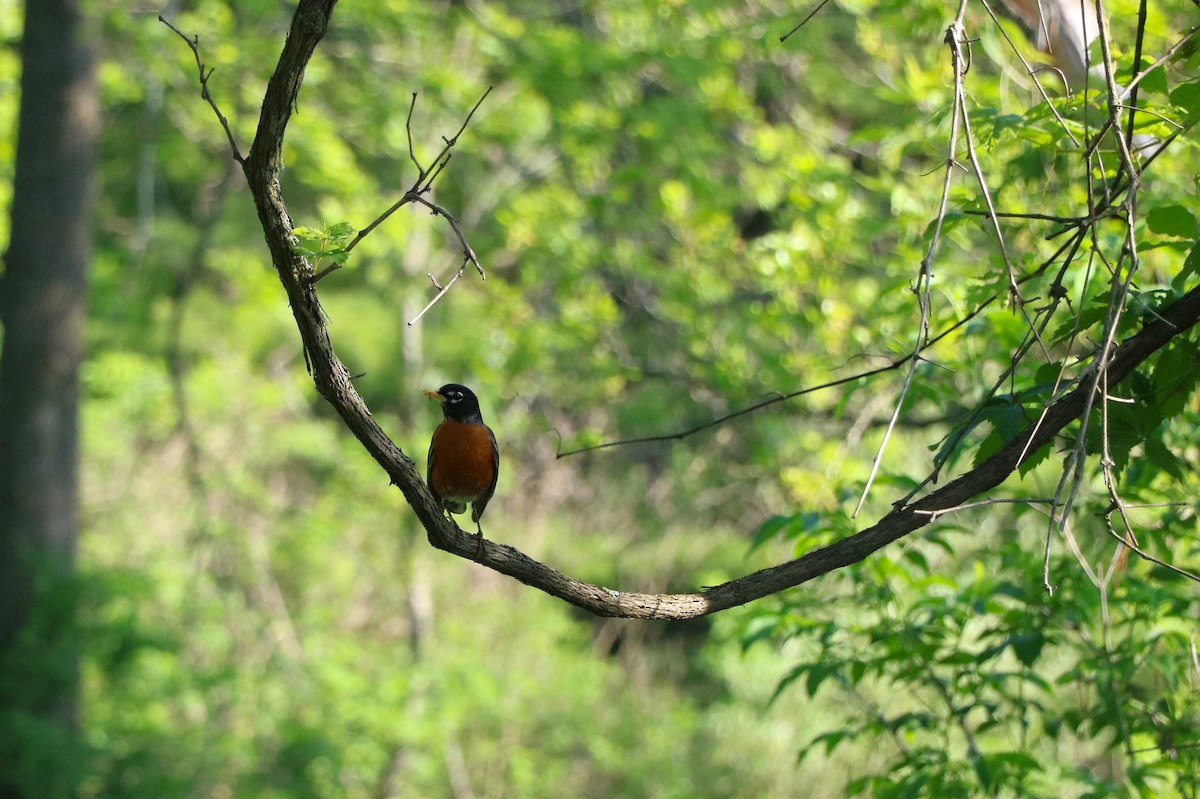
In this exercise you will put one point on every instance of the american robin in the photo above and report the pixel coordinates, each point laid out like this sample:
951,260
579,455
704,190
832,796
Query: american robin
464,459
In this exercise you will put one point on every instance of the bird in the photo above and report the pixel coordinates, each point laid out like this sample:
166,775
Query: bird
464,459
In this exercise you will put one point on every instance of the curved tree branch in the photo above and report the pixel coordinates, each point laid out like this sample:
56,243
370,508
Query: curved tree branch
262,168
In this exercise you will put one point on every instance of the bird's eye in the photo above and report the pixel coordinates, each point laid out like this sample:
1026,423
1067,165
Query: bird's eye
456,396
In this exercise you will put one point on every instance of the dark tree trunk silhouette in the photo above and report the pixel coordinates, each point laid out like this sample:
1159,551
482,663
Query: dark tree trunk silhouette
42,298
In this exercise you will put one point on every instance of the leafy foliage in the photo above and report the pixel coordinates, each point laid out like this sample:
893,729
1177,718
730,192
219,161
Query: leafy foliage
985,684
327,243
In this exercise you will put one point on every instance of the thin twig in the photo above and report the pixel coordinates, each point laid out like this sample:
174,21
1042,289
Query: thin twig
469,256
1113,97
408,130
435,171
205,74
416,195
362,234
968,138
425,177
1167,55
318,276
440,294
1101,583
1062,220
1137,66
804,21
953,38
1133,108
1144,555
1045,97
934,515
468,253
841,381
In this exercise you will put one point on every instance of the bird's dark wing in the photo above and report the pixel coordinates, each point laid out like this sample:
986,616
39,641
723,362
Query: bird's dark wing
429,474
478,505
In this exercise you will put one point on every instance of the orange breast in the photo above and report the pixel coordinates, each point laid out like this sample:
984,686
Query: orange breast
463,465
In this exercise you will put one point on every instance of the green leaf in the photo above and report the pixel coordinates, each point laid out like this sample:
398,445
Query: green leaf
1172,220
817,675
1163,458
1155,81
1176,374
795,673
1028,646
1191,267
1187,97
769,529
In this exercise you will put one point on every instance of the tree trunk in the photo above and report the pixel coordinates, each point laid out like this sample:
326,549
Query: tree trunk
42,297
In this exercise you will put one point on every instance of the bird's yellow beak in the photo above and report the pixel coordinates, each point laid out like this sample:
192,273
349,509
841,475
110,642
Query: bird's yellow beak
434,395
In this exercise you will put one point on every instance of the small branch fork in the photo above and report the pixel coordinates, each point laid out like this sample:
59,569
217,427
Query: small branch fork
416,194
261,168
1032,72
205,74
960,64
424,182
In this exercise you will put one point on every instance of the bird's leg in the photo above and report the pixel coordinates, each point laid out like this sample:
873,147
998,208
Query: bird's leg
478,540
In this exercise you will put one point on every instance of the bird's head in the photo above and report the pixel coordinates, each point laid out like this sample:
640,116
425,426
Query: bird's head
458,402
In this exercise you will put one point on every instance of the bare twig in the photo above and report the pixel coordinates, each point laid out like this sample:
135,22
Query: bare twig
468,253
1167,55
959,65
804,21
441,293
425,177
1161,117
968,138
205,74
416,195
1113,96
1144,555
318,276
934,515
1137,66
1032,72
408,132
841,381
1070,222
362,234
1100,582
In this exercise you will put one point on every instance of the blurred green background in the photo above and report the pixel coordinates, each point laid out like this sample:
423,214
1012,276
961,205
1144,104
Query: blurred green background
679,215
